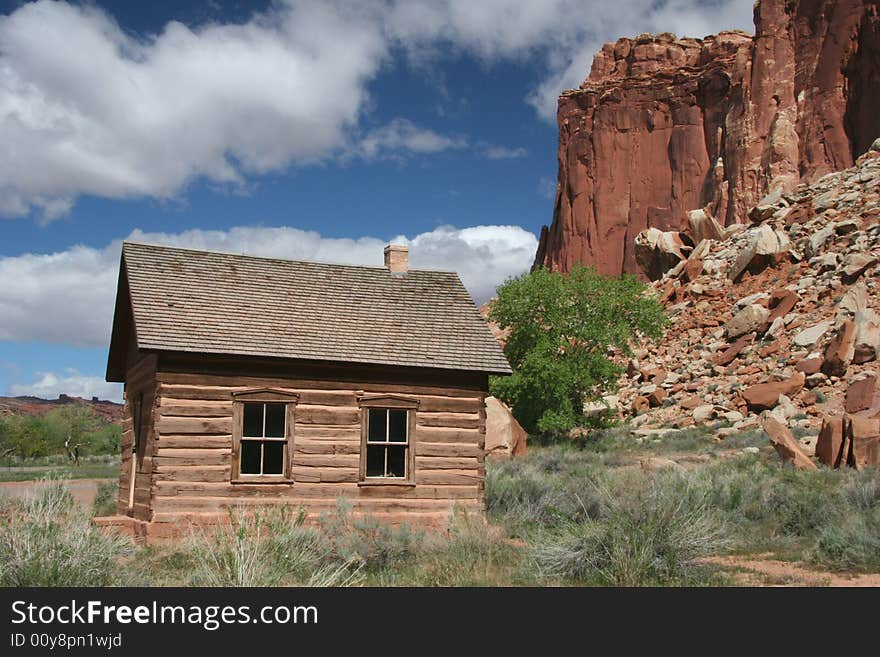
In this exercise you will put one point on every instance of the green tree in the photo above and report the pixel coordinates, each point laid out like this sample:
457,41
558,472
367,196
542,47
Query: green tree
564,329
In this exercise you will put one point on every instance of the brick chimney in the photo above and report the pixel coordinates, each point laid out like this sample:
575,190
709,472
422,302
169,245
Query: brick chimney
397,258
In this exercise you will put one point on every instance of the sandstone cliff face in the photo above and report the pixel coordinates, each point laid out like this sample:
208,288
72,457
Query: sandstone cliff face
663,126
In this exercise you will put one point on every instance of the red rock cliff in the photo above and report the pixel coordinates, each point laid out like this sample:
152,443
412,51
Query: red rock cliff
663,125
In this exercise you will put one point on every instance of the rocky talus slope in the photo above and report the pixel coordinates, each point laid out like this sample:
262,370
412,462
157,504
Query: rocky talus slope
774,323
663,126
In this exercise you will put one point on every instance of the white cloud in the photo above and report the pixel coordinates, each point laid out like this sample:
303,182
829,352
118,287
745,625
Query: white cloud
85,108
491,152
88,108
67,297
49,385
401,136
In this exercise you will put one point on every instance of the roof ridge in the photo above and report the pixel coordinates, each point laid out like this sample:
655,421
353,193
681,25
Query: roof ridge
165,247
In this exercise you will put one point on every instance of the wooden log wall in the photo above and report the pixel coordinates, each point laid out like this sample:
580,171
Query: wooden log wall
140,380
191,463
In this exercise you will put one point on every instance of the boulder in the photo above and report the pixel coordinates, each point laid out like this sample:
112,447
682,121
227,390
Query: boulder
704,227
505,437
855,264
640,404
765,396
658,251
727,356
655,463
866,343
855,300
781,303
840,350
749,319
865,436
861,394
830,441
809,365
761,251
693,267
785,444
810,336
656,397
703,413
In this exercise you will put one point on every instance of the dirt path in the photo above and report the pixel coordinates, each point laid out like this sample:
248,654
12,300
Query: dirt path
764,570
83,490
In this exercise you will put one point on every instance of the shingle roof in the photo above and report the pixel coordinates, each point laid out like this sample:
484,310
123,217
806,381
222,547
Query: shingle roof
199,301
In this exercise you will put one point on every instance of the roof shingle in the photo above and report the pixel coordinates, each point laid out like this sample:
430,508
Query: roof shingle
199,301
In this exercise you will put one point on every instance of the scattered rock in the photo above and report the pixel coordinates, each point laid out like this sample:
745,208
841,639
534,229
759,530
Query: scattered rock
640,404
830,441
809,337
861,394
864,434
840,351
657,251
703,413
785,444
765,396
747,320
866,344
855,264
703,226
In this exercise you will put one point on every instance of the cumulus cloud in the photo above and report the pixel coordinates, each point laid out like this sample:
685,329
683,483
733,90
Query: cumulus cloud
400,137
67,297
49,385
491,152
88,108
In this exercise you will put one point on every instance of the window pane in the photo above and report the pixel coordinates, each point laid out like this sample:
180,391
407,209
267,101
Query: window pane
250,457
378,418
396,461
375,461
273,458
275,420
397,432
253,420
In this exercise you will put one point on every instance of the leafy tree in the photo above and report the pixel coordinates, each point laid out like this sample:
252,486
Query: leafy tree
563,331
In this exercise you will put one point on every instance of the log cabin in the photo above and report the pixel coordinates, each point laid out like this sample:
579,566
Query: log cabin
260,381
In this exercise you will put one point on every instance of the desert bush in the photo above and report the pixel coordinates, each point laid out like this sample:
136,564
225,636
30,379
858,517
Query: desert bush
650,537
850,542
49,541
366,541
265,547
104,503
470,553
552,486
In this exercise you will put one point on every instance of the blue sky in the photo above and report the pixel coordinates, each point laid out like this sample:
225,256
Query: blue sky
295,129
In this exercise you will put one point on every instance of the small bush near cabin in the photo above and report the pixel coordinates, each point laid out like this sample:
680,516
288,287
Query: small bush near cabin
48,540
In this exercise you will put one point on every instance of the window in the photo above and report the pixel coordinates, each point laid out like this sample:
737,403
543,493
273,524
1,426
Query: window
263,435
387,446
263,438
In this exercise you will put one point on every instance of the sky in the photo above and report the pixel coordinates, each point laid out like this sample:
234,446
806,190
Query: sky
296,129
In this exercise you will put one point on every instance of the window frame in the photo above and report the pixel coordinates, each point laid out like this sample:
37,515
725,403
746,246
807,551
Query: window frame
264,396
388,402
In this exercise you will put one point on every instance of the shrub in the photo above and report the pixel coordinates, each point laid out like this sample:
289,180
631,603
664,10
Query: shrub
366,541
104,503
648,538
562,329
265,547
49,541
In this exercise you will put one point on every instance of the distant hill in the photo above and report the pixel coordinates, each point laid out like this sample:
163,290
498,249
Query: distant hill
26,405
